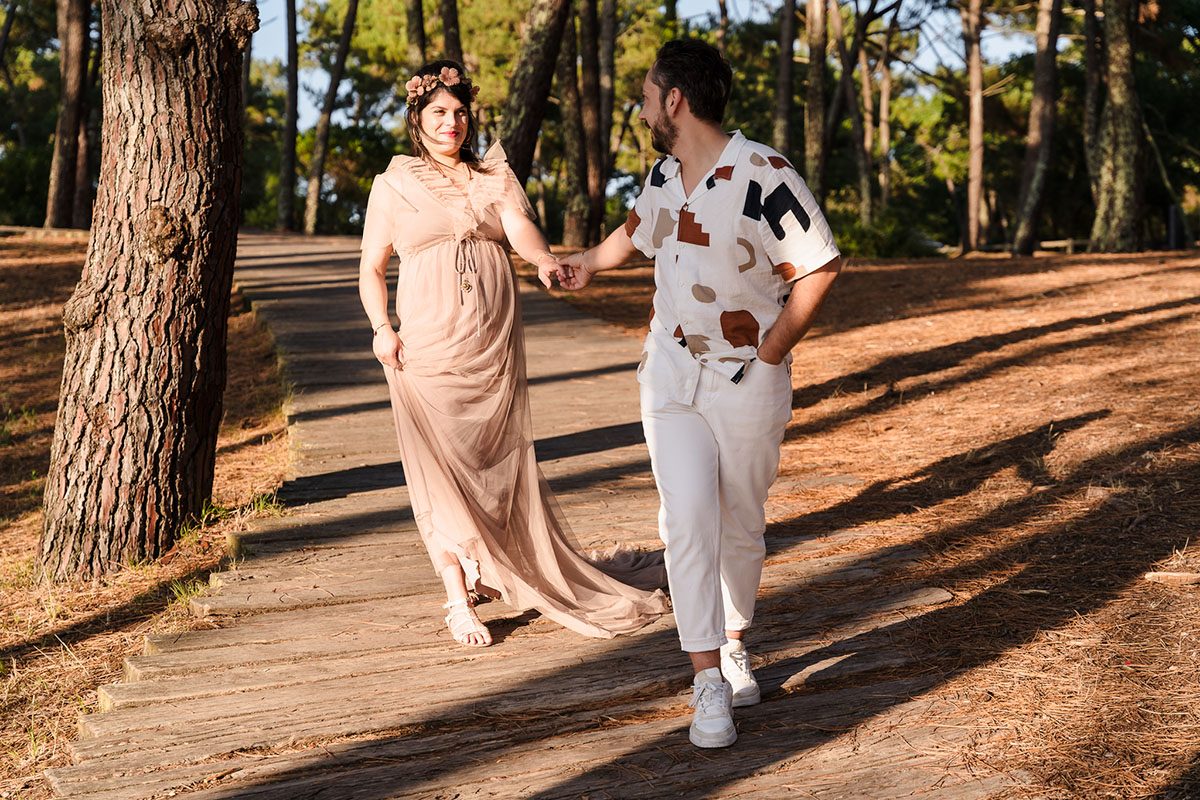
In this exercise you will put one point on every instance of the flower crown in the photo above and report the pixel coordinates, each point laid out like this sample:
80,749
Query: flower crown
419,85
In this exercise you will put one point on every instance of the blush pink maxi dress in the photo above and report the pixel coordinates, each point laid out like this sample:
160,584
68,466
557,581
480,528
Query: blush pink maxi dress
461,403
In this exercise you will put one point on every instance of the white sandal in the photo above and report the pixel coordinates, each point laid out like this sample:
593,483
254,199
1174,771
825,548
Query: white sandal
464,622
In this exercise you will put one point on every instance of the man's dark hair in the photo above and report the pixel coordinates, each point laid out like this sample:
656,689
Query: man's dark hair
699,72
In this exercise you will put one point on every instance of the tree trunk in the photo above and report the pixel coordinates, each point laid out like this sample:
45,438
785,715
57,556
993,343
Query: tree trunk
972,21
247,60
1118,213
861,158
722,24
81,211
574,196
608,79
867,91
73,35
140,404
286,210
451,35
316,169
781,137
589,94
1093,60
10,14
1039,140
670,19
885,113
416,34
530,85
814,106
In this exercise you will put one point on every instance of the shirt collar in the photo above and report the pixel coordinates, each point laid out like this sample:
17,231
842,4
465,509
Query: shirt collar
729,156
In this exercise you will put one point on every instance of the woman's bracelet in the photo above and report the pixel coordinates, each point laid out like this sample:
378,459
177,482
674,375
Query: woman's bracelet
375,330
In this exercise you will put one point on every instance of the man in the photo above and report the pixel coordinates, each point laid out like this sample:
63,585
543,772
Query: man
743,258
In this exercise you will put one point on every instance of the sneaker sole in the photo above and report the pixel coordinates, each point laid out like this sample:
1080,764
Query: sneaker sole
722,739
748,697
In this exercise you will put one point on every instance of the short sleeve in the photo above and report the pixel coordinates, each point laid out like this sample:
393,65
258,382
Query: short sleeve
793,231
377,227
514,197
639,222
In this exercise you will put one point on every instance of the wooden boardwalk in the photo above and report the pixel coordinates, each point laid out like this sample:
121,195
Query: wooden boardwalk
332,676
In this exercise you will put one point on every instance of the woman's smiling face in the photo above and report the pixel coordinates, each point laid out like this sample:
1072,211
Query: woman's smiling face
444,124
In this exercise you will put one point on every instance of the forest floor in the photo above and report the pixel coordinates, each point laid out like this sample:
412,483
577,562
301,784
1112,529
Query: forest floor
59,643
1033,425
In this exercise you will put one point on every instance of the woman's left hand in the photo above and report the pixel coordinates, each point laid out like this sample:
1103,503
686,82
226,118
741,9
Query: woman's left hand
549,271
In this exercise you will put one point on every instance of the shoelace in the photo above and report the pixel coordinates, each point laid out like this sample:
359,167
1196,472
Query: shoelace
706,697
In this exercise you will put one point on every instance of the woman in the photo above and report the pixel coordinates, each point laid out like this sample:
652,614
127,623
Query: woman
456,371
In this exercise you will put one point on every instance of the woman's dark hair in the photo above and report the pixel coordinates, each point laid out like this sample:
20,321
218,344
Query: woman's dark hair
461,92
699,72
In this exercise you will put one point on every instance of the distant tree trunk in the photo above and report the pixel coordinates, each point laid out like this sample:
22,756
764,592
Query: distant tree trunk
589,93
10,14
722,24
316,169
286,211
608,79
885,113
144,371
861,157
451,35
416,34
575,156
814,106
972,21
1118,213
867,91
81,211
1040,138
781,137
247,60
1093,60
530,85
72,68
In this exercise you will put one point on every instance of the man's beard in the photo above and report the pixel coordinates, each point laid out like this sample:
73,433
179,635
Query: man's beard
663,138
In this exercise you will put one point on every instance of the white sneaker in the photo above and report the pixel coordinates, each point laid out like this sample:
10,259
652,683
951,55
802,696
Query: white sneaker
735,666
712,723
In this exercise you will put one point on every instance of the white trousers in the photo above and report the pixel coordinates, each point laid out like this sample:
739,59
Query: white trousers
714,449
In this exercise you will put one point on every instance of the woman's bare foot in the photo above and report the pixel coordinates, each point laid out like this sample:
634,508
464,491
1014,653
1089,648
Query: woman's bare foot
465,626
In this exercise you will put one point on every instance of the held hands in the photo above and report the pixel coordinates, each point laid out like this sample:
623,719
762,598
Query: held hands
387,347
575,275
550,269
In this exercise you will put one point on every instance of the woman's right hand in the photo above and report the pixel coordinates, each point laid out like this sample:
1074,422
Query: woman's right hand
388,347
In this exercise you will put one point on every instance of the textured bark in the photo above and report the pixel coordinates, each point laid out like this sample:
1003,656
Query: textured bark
135,438
1038,142
530,86
451,35
847,56
316,170
285,218
781,136
814,106
594,138
608,79
575,156
72,34
1093,61
972,21
415,11
81,211
1118,213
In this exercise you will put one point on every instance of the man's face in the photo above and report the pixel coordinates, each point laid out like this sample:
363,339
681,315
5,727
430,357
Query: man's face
663,131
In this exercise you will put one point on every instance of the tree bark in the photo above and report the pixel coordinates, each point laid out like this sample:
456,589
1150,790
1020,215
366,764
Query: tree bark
81,211
589,93
814,106
1039,141
781,137
73,35
867,90
316,169
135,438
247,61
885,113
10,14
286,209
416,34
1093,60
972,21
451,35
576,206
1118,214
846,86
531,79
608,79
